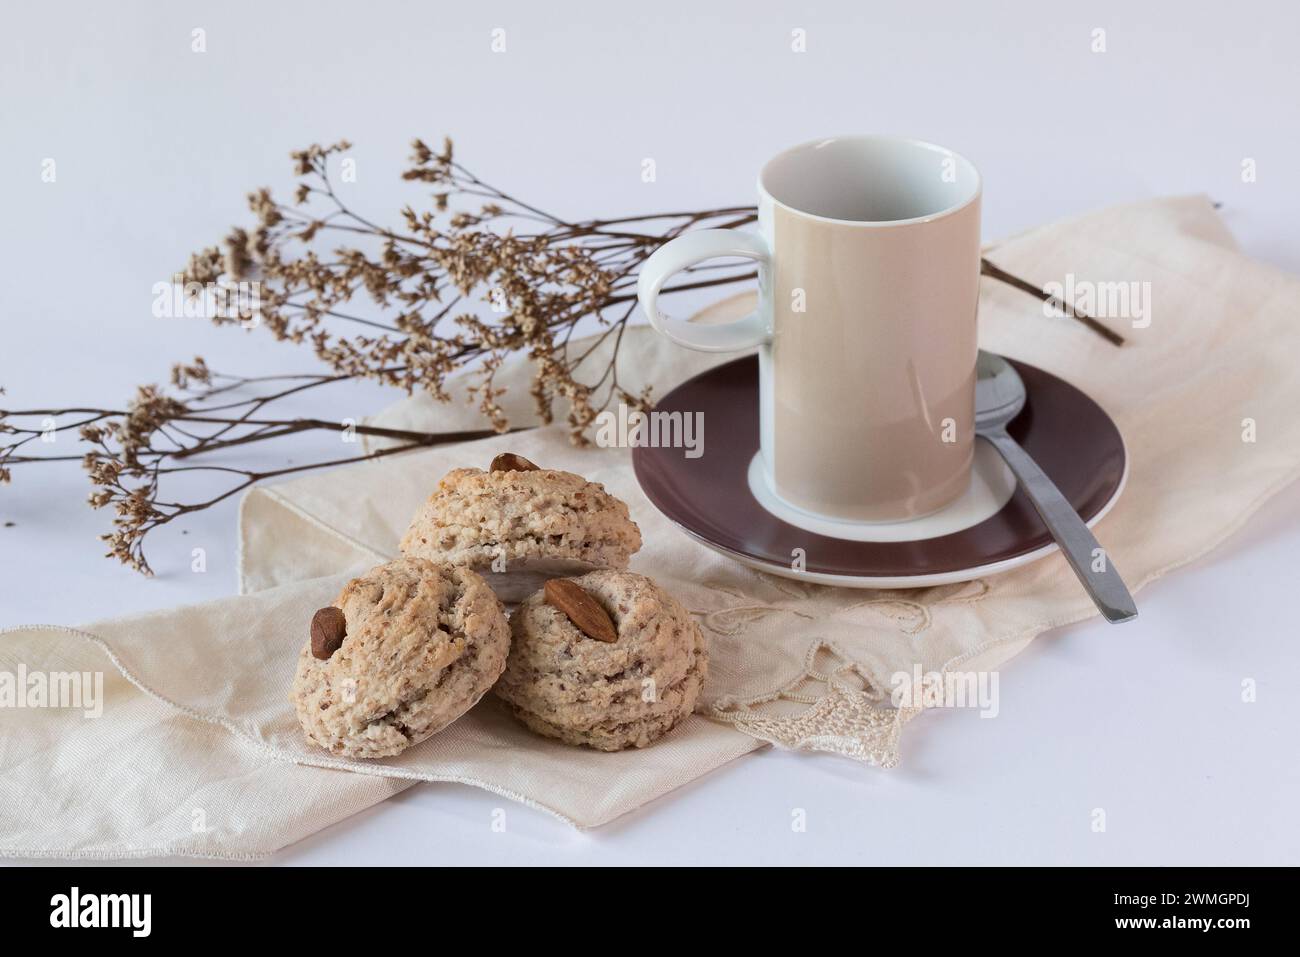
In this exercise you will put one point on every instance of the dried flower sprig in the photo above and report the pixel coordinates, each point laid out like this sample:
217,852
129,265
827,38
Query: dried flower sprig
459,286
462,285
131,452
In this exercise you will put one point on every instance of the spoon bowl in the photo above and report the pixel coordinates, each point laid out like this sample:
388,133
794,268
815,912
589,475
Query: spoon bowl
999,391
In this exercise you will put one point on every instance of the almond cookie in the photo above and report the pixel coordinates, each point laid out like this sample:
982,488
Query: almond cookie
569,676
518,525
405,650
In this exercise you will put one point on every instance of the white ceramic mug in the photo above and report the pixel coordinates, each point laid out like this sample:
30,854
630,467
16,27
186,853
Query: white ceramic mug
868,253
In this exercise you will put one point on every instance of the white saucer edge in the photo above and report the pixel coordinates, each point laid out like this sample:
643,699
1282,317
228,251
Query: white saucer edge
914,581
990,487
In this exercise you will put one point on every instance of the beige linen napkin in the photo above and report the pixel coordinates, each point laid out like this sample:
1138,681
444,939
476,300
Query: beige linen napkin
202,731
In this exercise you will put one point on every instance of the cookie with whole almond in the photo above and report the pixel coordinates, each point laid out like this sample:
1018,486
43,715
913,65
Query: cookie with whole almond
608,660
402,652
519,525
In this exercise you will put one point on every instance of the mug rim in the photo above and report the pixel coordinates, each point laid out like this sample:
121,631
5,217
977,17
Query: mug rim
955,208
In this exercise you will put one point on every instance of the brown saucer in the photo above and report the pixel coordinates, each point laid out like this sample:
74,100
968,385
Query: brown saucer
1071,437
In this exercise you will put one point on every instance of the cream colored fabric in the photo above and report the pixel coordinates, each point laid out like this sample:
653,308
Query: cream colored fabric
203,721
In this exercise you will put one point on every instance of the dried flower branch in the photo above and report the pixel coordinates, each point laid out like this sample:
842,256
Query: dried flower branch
461,285
131,452
458,286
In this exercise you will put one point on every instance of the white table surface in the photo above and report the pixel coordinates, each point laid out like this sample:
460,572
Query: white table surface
155,146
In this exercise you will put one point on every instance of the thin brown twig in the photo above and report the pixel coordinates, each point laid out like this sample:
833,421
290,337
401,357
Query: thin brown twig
460,287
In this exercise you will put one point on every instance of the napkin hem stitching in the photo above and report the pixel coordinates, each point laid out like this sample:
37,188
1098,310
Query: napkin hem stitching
277,754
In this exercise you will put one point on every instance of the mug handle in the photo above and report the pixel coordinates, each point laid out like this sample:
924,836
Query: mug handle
687,250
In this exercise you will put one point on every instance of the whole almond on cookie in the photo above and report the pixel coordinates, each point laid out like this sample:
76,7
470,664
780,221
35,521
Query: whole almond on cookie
425,641
328,629
509,462
589,693
584,611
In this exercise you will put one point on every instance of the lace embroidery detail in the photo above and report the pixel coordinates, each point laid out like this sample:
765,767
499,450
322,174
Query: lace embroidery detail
911,617
845,711
732,621
910,610
848,717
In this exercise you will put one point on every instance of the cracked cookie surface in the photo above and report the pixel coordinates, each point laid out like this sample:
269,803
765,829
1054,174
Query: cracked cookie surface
546,515
424,642
605,695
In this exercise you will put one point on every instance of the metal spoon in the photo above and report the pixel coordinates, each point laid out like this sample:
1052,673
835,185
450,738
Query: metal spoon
999,397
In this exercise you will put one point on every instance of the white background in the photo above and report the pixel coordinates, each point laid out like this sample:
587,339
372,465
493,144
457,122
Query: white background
155,146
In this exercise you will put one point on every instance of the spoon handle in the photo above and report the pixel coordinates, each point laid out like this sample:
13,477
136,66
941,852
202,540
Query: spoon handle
1077,542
